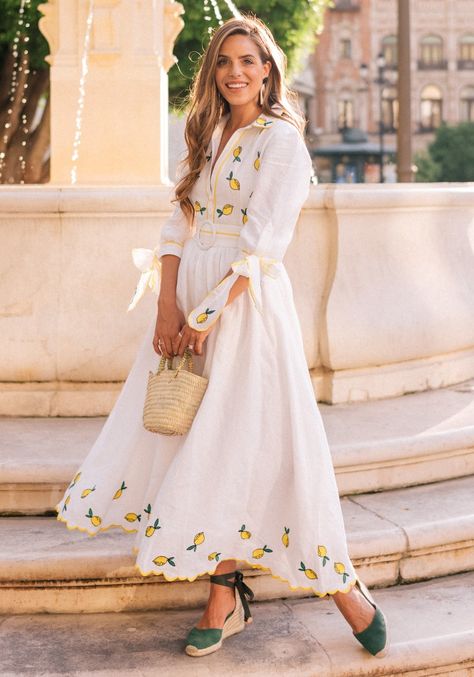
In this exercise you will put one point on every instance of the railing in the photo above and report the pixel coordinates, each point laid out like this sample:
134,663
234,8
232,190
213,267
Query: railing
433,66
465,64
346,5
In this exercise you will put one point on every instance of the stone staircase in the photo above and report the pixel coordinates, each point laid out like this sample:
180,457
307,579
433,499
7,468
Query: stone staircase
405,469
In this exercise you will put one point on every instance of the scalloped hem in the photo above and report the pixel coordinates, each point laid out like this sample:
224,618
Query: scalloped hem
208,572
75,527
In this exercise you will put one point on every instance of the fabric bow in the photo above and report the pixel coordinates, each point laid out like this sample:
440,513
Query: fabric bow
252,266
147,261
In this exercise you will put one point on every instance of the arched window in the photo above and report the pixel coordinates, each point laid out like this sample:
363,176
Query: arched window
431,108
390,50
345,112
389,109
431,53
466,52
467,103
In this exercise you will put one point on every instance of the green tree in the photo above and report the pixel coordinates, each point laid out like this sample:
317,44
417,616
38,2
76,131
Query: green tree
294,24
451,155
22,53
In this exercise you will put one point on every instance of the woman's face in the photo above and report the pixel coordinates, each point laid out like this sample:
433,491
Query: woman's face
240,71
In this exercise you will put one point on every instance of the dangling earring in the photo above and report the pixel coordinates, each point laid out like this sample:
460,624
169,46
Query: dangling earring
261,93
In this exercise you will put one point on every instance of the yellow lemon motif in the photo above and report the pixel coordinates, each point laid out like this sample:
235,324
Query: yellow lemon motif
309,573
151,529
323,553
226,210
214,555
200,319
244,533
161,560
245,218
198,539
95,519
132,517
236,153
119,492
341,569
285,539
66,502
258,553
262,122
198,208
233,183
75,480
86,492
256,162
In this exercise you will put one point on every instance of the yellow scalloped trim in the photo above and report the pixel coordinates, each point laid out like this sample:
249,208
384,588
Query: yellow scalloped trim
208,572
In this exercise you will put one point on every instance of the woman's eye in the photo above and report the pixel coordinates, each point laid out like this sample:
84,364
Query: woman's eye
248,61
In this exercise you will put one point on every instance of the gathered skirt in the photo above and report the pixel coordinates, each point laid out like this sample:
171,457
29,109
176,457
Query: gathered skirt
253,478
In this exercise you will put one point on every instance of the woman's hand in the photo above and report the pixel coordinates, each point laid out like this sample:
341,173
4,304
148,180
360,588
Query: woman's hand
192,339
169,321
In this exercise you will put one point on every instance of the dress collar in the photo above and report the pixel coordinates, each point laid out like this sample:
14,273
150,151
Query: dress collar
262,122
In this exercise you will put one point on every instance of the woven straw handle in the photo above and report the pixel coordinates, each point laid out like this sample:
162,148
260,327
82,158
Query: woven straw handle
186,361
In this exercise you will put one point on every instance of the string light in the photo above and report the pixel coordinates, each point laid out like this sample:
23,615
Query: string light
20,65
217,12
82,92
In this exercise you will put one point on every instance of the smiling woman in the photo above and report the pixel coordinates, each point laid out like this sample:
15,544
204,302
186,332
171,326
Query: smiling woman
253,479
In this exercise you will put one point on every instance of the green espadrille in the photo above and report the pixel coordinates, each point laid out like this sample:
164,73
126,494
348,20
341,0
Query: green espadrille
203,641
375,637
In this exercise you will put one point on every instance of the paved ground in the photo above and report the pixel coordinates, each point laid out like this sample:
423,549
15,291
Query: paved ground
431,624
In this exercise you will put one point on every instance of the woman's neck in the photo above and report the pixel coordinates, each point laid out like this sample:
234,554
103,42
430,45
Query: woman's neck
241,118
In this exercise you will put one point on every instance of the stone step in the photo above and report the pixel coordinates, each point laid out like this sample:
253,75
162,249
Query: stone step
400,535
383,444
431,630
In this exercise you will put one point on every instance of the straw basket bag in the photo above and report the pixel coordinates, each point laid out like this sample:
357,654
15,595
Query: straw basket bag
173,397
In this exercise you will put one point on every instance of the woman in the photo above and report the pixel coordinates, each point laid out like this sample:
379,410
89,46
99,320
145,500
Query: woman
252,480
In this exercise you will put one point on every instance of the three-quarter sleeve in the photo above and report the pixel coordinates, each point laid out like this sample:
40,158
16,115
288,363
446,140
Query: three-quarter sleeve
281,186
175,229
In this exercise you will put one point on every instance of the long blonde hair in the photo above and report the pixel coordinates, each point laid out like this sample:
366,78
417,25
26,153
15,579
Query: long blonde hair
207,105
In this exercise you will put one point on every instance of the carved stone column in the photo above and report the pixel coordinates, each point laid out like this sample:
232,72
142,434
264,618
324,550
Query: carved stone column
124,120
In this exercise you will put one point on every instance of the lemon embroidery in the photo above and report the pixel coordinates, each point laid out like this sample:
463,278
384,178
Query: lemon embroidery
198,208
226,210
66,503
161,560
309,573
132,517
323,553
86,492
258,553
341,569
236,153
198,539
151,529
75,480
233,183
256,162
214,555
262,122
200,319
244,533
285,539
119,492
208,157
245,218
95,519
148,510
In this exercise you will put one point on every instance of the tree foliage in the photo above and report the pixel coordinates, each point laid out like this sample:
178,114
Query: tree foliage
451,155
24,83
294,24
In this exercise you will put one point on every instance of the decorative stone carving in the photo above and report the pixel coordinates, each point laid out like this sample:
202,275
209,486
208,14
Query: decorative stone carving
173,26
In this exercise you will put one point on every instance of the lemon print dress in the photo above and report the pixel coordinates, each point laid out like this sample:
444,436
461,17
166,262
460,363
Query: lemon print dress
253,478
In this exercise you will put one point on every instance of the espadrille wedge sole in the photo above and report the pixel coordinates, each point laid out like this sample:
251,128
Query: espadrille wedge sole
203,641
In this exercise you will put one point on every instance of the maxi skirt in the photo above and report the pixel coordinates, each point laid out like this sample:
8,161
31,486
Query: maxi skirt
253,478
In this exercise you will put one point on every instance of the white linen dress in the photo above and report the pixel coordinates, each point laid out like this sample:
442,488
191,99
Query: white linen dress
253,478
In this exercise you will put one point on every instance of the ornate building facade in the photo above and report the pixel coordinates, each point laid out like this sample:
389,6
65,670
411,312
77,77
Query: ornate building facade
349,96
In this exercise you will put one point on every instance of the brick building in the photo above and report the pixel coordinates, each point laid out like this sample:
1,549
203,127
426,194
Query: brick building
442,61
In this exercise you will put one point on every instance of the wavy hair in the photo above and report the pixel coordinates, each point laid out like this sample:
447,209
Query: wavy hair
206,105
